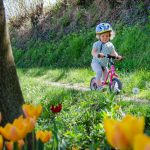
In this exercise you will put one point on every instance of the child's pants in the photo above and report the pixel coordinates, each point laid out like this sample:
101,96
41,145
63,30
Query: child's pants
100,73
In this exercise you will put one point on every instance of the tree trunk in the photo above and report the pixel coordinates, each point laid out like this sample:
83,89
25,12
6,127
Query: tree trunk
11,98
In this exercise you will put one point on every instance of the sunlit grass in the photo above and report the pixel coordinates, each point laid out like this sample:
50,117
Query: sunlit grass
80,120
139,79
82,76
79,76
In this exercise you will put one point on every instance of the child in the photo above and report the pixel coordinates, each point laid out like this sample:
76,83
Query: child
100,49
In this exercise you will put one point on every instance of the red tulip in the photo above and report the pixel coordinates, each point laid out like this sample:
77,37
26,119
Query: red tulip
56,109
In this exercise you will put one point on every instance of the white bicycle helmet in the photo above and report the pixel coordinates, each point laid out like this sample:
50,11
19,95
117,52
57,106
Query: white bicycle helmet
103,27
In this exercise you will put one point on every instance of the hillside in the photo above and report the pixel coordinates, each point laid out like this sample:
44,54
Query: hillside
63,35
72,16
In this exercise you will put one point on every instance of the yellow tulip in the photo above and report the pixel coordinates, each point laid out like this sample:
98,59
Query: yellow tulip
120,134
32,111
141,142
18,129
20,144
30,122
20,124
27,124
44,136
10,145
1,142
11,132
132,126
115,135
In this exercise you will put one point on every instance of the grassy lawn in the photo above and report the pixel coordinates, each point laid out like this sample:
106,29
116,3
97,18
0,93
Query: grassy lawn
80,122
82,76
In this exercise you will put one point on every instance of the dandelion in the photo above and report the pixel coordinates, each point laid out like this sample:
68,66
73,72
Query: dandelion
135,90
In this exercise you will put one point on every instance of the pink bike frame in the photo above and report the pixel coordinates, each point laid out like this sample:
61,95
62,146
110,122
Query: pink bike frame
111,73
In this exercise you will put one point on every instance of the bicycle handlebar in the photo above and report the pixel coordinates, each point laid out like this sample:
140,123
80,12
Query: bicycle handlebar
108,56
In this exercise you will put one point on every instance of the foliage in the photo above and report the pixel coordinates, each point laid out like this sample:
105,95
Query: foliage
132,43
75,50
80,123
69,51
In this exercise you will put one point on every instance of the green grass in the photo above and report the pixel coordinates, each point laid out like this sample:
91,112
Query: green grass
80,122
68,61
81,78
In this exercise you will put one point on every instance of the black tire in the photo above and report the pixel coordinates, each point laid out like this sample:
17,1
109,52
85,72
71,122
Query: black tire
93,84
116,86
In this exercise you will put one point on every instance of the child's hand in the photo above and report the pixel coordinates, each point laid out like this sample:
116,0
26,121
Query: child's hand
100,55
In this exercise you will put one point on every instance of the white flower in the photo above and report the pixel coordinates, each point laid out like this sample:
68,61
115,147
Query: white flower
135,90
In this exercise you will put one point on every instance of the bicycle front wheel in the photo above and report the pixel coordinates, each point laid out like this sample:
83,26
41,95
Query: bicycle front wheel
116,86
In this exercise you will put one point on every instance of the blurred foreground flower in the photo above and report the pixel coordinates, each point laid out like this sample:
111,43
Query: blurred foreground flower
18,129
135,90
44,136
1,142
11,132
141,142
32,111
121,134
25,123
10,145
56,109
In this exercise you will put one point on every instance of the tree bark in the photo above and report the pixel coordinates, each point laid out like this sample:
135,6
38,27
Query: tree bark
11,98
113,3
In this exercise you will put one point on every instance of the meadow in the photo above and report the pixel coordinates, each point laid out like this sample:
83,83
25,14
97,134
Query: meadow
80,123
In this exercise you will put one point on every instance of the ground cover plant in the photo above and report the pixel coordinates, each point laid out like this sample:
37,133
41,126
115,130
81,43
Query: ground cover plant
81,78
80,123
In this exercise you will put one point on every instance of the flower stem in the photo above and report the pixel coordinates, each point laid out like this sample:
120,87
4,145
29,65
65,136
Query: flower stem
33,140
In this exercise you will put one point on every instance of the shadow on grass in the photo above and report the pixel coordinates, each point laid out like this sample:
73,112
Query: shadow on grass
55,74
63,73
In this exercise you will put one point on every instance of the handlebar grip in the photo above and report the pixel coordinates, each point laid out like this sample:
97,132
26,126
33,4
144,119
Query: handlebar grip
98,55
110,56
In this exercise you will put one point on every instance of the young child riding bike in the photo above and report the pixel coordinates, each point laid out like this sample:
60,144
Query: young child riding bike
102,48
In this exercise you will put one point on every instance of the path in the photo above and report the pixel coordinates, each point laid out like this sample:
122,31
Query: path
77,87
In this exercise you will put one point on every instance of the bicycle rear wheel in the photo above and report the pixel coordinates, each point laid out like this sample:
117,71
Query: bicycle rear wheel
93,84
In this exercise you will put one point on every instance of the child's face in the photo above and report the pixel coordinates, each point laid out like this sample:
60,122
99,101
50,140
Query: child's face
105,37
